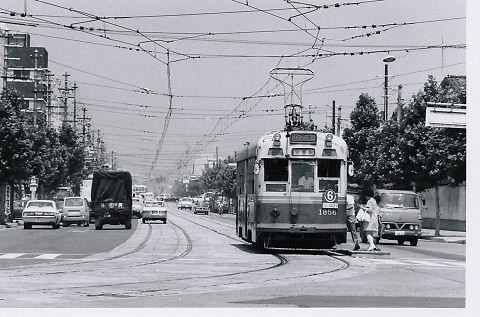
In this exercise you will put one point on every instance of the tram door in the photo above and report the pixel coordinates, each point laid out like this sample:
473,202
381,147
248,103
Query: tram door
250,203
242,199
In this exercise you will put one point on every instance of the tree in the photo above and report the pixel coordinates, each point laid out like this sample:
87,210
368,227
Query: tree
365,121
220,178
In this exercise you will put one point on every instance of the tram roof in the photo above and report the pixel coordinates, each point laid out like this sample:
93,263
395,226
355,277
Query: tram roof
252,149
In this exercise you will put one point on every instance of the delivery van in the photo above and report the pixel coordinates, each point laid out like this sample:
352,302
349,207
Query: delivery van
401,216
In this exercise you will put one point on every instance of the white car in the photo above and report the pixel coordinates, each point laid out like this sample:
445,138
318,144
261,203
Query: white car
41,212
154,210
185,202
137,207
75,211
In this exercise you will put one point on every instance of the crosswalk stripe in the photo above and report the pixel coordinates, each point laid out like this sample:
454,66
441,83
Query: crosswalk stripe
429,263
47,256
11,255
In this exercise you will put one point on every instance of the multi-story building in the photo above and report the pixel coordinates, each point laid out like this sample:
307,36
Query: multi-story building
26,72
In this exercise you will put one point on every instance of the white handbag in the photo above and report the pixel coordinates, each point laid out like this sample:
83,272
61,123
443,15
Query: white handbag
362,215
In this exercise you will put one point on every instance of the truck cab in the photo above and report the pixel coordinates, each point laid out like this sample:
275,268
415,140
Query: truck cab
401,216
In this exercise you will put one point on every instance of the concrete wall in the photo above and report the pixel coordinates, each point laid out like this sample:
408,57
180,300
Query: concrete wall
453,209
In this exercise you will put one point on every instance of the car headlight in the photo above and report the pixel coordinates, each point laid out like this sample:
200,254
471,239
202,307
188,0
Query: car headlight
416,227
410,227
387,226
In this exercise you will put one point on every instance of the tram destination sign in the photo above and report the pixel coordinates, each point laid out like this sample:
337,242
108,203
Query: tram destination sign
303,138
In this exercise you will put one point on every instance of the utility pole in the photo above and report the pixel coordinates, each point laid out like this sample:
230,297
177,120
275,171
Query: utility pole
216,155
339,120
399,104
35,79
49,97
84,119
333,117
75,106
65,97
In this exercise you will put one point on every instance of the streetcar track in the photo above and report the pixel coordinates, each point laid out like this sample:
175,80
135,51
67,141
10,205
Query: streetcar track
283,260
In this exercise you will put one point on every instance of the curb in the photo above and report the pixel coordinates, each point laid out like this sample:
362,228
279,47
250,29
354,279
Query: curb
9,225
459,240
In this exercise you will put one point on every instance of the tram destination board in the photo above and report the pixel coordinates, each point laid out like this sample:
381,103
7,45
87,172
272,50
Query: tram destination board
303,138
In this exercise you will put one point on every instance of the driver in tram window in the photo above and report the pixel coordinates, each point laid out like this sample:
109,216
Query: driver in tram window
306,181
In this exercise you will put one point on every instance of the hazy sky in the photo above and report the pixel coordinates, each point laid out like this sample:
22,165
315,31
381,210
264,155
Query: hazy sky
221,55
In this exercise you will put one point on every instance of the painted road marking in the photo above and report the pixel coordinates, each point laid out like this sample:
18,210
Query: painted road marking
420,262
44,256
47,256
11,255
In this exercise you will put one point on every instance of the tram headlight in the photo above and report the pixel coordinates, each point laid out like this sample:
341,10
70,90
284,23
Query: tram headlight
276,139
328,140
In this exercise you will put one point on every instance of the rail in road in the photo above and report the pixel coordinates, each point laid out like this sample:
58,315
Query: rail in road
187,255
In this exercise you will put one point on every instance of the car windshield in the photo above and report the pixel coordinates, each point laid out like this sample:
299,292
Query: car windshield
136,201
73,202
399,200
154,204
39,204
186,199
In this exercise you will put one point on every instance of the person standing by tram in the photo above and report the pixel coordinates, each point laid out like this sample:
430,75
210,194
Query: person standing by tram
371,229
351,220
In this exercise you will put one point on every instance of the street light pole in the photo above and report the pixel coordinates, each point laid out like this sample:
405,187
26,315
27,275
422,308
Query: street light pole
386,60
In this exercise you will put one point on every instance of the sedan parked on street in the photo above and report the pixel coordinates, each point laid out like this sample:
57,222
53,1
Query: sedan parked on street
154,210
41,212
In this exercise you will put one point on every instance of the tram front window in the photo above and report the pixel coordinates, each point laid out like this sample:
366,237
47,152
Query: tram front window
302,175
276,170
328,174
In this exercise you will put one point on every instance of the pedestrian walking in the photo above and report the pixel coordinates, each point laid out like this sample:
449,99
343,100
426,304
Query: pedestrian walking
351,221
372,228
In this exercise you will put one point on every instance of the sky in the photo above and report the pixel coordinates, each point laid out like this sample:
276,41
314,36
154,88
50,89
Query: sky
219,62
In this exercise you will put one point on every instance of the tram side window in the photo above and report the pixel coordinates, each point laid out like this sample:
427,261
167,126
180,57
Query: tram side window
241,177
276,170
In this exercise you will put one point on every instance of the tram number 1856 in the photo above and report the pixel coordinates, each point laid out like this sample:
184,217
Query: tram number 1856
328,212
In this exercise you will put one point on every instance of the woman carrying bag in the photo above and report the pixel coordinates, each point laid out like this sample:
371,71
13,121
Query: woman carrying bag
373,223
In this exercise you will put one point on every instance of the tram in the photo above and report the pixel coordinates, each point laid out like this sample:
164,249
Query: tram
291,188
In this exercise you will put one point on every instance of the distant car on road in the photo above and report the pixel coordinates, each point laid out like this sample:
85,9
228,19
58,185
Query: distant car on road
75,211
185,203
41,212
201,207
137,207
154,210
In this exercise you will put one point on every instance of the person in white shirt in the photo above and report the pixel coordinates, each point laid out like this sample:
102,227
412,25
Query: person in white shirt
350,221
306,182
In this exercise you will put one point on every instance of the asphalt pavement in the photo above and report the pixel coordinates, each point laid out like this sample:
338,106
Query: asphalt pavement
446,236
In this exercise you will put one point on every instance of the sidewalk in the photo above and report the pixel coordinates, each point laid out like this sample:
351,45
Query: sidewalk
9,225
445,236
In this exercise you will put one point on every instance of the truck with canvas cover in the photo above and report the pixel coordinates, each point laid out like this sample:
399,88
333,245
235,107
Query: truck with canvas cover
112,198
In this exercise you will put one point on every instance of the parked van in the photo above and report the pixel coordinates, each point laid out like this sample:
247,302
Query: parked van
75,210
401,216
